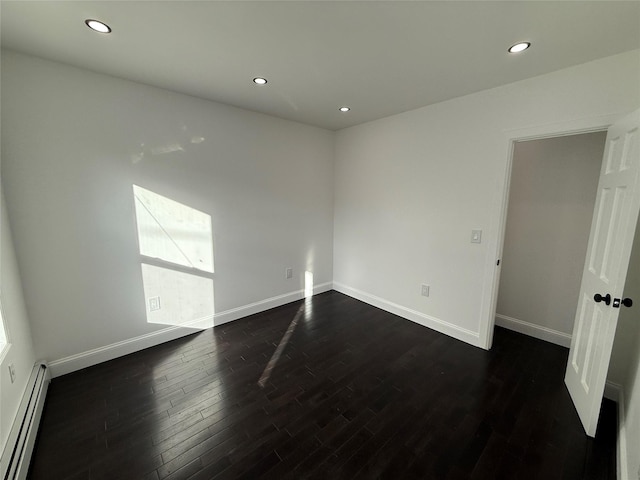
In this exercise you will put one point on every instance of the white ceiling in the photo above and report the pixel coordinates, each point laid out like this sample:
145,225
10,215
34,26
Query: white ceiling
378,57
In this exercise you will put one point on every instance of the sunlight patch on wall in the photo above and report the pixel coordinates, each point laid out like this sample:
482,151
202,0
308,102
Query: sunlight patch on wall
172,231
308,284
177,298
3,334
176,250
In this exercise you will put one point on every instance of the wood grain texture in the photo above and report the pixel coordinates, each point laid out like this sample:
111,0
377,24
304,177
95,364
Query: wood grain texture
356,393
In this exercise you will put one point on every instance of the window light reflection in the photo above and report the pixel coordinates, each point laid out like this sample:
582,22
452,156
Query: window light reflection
176,250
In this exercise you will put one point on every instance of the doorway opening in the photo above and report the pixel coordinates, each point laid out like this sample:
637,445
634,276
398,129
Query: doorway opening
553,187
610,242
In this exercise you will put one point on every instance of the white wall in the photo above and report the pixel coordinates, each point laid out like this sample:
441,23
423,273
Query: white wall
408,191
410,188
632,401
553,191
628,325
624,368
20,352
71,145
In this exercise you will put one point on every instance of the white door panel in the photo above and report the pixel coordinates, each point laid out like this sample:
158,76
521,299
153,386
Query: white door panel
605,270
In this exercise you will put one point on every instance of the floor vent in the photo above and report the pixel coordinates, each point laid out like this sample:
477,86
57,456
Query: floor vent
14,463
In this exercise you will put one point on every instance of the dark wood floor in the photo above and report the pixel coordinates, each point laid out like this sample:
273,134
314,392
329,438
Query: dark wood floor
356,393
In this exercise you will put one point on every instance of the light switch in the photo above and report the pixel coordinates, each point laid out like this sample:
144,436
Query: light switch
476,236
154,304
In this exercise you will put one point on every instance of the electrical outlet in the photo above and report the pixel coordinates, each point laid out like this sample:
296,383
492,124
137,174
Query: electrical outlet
288,273
12,372
425,290
154,304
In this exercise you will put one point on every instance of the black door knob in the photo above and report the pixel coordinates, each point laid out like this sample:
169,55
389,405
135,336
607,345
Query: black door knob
627,302
599,298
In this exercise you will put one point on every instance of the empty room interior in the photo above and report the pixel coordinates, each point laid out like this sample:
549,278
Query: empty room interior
317,239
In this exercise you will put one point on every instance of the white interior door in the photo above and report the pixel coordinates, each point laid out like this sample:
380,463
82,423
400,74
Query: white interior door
605,269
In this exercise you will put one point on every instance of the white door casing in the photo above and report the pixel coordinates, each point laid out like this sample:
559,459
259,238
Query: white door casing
612,231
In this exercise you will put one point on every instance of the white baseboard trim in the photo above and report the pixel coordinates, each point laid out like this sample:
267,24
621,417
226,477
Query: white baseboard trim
615,392
86,359
533,330
622,459
428,321
612,391
257,307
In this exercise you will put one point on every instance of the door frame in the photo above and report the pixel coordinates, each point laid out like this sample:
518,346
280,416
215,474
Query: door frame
494,252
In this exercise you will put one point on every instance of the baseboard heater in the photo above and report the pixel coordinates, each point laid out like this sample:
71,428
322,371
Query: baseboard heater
16,456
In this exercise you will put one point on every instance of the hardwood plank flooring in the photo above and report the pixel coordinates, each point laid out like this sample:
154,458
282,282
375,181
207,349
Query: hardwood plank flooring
357,393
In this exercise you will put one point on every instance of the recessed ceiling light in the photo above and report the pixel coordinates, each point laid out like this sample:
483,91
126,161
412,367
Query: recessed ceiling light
260,81
345,109
519,47
98,26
